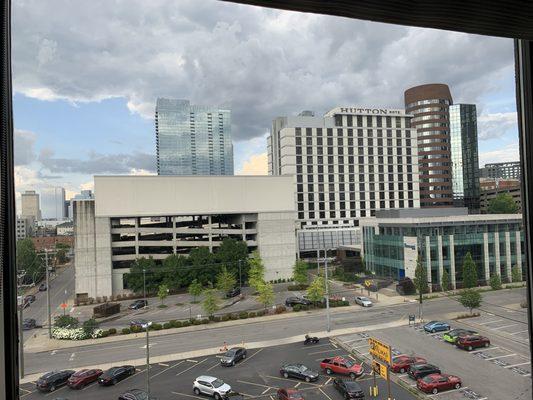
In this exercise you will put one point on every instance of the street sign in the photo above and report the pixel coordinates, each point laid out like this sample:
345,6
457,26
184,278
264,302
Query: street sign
380,369
63,305
380,350
368,282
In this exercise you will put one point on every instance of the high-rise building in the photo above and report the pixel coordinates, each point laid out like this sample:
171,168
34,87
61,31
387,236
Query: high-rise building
503,170
348,164
429,106
30,207
192,139
464,152
83,195
53,203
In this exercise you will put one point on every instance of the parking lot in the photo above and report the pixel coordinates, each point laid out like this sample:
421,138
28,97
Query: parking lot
257,376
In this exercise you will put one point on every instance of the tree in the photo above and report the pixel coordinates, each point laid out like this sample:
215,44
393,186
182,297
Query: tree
135,278
503,203
162,293
469,272
195,289
516,274
445,281
266,294
256,273
66,321
210,303
203,265
28,261
299,272
90,326
176,272
225,280
495,282
470,298
421,278
317,289
234,254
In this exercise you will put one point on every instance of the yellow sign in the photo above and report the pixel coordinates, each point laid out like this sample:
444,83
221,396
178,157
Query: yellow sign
368,282
380,369
380,350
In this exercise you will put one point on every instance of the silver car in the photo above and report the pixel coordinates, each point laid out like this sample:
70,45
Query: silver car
363,301
211,386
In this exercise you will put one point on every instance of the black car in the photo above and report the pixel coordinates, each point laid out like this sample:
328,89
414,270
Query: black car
115,374
135,394
292,301
233,355
348,389
233,292
29,298
28,323
418,371
52,380
298,371
138,322
42,287
137,304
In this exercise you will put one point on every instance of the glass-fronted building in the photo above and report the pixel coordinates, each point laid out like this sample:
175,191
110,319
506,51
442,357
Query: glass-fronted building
464,155
192,139
392,241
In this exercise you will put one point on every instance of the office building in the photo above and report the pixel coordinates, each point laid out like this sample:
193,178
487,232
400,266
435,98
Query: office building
65,229
53,203
155,219
24,228
30,205
429,106
192,139
503,170
464,155
393,239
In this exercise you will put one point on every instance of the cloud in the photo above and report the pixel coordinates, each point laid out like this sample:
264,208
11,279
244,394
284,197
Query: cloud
257,164
24,147
491,126
509,152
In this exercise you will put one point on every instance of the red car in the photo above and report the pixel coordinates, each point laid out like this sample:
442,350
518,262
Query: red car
435,383
472,342
402,363
339,365
83,377
289,394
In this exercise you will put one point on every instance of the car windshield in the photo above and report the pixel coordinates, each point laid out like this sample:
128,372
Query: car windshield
365,299
352,386
230,352
303,368
427,379
217,383
349,363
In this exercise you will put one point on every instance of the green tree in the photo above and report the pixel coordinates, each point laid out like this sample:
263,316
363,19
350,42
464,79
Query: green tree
421,278
495,282
210,302
299,272
176,272
256,273
66,321
317,289
162,292
90,326
203,265
135,278
28,261
503,203
516,274
195,289
469,272
225,280
266,294
470,298
445,281
234,254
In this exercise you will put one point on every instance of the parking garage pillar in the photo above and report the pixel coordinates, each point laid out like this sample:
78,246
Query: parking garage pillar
210,233
486,263
428,262
452,262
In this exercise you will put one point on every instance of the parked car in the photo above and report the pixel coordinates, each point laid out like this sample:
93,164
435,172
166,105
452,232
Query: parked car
289,394
417,371
349,389
83,377
435,383
436,326
137,304
454,334
292,301
211,386
115,374
28,323
298,371
232,356
53,380
472,342
233,292
138,323
42,287
363,301
135,394
403,362
340,365
30,298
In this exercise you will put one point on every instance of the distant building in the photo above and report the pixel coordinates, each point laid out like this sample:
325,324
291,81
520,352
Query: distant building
495,183
83,195
192,139
53,203
30,205
65,229
489,194
24,228
503,170
42,243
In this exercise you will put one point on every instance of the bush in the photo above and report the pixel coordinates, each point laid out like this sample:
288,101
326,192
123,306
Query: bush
135,329
233,316
495,282
167,325
297,287
176,324
104,334
252,314
215,319
297,307
204,321
90,326
197,322
280,309
260,313
66,321
185,323
225,317
112,331
243,315
126,331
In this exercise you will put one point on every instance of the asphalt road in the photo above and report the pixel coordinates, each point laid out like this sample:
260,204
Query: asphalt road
299,324
255,377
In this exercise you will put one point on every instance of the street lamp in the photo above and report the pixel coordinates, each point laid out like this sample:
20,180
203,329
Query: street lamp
147,328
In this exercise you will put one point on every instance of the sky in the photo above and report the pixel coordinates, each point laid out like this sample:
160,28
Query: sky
86,77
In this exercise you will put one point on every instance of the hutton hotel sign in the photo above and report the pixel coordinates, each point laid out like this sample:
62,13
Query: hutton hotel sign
366,111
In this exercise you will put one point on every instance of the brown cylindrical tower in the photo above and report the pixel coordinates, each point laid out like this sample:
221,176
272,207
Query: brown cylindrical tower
429,105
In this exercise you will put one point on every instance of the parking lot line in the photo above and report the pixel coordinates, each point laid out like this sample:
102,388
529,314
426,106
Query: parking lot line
188,395
489,322
496,358
266,390
484,349
55,391
166,369
517,365
253,355
358,347
256,384
316,345
163,365
298,384
191,367
323,351
290,380
328,381
516,333
324,393
213,366
503,327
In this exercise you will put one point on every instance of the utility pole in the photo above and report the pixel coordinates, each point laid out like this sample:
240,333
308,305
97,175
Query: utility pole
240,280
48,294
328,327
144,287
147,327
21,330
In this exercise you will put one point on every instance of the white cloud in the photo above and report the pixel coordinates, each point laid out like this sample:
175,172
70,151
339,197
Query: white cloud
257,164
491,126
509,152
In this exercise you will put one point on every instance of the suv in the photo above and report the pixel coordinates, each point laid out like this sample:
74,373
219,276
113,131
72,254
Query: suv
211,386
292,301
341,365
472,342
418,371
349,389
137,304
52,380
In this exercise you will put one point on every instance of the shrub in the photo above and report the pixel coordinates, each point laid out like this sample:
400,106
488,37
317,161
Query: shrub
90,326
104,334
297,307
176,324
216,319
225,317
495,282
66,321
233,316
260,313
135,329
156,327
112,331
197,322
98,299
252,314
186,323
126,331
243,315
204,321
280,309
167,325
297,287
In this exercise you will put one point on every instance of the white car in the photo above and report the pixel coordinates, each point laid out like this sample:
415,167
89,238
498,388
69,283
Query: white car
363,301
211,386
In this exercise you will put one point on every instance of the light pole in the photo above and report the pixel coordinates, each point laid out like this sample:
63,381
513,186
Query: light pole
144,287
48,294
147,328
328,325
21,330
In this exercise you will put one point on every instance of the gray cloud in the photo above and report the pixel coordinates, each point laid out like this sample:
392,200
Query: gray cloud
261,62
24,146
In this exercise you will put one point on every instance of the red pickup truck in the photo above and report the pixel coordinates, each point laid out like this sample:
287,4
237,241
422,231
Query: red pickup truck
339,365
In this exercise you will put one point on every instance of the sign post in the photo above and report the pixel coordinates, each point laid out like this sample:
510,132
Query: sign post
64,307
382,354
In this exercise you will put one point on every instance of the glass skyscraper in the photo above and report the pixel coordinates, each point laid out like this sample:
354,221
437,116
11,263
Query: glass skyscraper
464,154
192,139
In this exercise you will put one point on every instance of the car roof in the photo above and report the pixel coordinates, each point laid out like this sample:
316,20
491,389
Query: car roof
206,378
338,358
237,348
